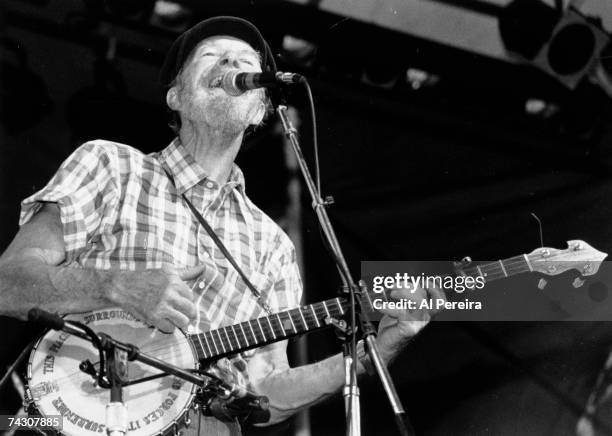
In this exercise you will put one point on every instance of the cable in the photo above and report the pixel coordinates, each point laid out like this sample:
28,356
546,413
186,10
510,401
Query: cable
315,141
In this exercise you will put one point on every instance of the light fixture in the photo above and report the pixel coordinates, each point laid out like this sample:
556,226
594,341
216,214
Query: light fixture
565,45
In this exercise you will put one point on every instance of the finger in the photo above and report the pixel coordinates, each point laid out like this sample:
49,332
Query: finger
164,326
399,294
185,306
177,318
192,272
183,291
411,328
398,313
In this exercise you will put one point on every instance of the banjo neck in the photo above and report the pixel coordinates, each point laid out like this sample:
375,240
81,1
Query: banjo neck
233,339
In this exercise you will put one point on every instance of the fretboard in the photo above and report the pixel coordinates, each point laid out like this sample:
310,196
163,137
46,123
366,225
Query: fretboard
500,269
266,329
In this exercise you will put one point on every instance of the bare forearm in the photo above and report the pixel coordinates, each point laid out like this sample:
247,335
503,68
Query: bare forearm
27,283
294,389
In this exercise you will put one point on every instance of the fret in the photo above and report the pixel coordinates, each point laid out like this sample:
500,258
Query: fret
303,319
273,322
201,345
340,306
207,344
286,322
291,321
271,328
315,315
528,263
480,273
321,311
212,338
261,329
236,336
229,341
281,324
326,311
244,334
501,264
253,332
220,340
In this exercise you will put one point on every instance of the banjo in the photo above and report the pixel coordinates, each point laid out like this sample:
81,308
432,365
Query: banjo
163,406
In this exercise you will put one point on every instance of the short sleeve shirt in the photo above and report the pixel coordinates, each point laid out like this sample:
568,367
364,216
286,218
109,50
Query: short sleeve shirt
119,210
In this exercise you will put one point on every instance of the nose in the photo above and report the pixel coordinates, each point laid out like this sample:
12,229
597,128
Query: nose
230,60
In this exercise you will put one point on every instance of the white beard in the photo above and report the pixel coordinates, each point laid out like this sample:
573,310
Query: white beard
222,112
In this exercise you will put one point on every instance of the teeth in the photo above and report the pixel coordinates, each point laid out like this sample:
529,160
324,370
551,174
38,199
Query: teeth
216,82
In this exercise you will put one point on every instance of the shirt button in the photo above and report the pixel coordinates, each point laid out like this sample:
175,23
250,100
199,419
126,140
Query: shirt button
201,285
210,185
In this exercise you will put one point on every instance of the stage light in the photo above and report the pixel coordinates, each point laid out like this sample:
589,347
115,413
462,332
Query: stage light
299,51
171,15
539,108
418,79
564,45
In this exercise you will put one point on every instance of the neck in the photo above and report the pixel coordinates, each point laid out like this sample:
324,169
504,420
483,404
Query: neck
213,149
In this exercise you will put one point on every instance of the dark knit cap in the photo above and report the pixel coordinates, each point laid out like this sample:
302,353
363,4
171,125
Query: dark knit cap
232,26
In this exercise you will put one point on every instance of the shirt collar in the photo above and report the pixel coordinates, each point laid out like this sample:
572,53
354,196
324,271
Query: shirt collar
187,172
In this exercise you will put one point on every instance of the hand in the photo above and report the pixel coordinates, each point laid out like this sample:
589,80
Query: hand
399,325
159,297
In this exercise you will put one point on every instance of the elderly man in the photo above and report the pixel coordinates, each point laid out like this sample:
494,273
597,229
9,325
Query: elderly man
112,228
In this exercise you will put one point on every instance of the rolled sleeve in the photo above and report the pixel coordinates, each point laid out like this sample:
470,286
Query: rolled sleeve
84,187
288,286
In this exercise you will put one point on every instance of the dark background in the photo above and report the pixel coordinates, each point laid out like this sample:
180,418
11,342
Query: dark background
438,173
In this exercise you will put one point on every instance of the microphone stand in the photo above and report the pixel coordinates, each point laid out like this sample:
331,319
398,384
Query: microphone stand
350,390
116,372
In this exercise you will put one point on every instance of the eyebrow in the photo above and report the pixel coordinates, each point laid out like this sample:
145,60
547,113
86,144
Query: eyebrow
242,52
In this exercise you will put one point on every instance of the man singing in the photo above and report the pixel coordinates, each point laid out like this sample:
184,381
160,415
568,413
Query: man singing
111,228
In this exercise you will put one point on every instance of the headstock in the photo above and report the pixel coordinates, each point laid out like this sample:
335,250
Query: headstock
578,255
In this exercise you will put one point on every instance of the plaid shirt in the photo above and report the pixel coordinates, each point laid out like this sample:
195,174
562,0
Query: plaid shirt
119,210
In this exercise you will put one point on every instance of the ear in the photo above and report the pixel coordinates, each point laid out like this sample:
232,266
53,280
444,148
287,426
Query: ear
172,99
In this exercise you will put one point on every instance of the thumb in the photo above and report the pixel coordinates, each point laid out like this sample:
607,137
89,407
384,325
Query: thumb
191,272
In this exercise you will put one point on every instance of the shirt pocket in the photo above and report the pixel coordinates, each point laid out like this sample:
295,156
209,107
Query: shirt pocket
144,249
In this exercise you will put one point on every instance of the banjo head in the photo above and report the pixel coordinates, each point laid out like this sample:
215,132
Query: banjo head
58,387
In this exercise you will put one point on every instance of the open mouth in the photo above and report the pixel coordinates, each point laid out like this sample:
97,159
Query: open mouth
216,82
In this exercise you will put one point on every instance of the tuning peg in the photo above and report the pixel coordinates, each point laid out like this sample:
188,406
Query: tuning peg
577,246
466,260
542,284
578,282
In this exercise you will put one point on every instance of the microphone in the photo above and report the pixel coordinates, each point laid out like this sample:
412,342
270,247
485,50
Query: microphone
236,82
46,319
55,322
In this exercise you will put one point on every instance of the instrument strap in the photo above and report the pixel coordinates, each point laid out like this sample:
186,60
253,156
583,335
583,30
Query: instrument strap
260,300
